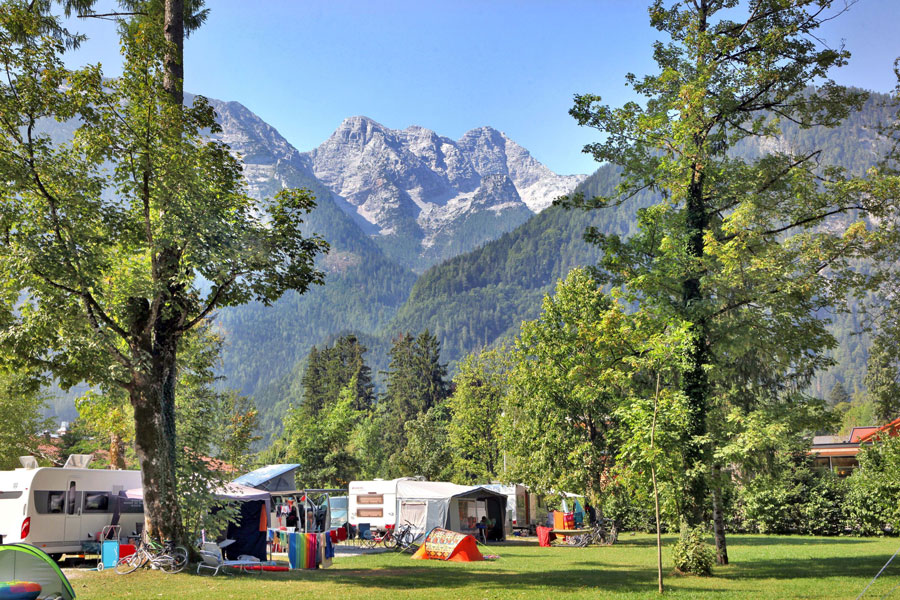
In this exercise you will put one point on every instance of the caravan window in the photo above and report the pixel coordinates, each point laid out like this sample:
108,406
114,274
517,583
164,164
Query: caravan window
370,512
10,495
96,502
370,499
47,502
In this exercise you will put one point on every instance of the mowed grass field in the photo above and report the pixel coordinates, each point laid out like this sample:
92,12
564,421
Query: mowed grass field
762,567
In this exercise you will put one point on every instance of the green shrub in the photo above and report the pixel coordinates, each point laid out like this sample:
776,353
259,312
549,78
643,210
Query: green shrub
692,554
823,511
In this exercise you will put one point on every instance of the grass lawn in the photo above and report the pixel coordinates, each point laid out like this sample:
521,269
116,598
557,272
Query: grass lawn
762,567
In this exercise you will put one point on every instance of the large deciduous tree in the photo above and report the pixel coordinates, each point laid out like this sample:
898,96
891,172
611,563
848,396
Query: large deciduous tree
118,243
738,247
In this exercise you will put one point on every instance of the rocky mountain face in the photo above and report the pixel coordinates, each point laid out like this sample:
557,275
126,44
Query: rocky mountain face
428,197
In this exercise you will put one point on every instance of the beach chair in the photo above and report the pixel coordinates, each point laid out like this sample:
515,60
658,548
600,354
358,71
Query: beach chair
212,560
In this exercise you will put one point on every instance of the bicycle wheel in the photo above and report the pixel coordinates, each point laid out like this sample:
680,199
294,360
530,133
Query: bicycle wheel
406,540
130,563
174,561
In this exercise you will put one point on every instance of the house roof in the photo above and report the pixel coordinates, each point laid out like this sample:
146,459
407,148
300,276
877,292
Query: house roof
858,433
891,429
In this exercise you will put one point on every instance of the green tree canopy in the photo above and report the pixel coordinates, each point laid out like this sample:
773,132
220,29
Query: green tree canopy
108,238
735,246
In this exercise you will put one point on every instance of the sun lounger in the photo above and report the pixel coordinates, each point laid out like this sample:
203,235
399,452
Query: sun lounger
215,562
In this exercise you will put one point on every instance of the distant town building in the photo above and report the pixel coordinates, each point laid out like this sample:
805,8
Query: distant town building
838,453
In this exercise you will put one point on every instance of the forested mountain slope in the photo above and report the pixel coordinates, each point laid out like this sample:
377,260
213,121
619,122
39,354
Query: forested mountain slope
362,287
477,298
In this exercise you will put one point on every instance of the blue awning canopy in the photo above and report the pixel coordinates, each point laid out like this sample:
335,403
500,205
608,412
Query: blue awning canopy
271,478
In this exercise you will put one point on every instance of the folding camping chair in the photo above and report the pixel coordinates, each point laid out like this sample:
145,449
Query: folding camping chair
364,534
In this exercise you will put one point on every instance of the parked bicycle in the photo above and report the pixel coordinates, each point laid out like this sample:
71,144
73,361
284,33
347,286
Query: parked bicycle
604,532
166,557
403,537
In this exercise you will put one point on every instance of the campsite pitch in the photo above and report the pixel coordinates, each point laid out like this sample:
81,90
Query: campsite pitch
763,567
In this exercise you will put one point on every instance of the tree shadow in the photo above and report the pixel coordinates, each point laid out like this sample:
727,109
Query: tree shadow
785,540
813,567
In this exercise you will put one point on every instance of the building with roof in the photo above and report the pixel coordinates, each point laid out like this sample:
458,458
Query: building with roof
838,453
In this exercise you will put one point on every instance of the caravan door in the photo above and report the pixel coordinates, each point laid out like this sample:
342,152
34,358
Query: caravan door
73,512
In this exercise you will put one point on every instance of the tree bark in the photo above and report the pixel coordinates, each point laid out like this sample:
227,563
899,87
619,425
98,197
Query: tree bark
718,518
116,452
173,77
154,444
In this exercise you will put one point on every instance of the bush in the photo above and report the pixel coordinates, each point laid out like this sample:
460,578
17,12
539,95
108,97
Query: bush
874,487
823,511
692,554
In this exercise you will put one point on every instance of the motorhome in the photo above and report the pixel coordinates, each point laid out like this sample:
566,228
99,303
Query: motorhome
57,509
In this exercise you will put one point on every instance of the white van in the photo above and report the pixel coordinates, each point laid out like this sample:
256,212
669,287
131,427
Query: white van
56,509
374,502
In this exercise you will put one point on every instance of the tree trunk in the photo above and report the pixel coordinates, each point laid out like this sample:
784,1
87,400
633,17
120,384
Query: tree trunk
153,397
173,78
718,519
154,444
116,452
695,384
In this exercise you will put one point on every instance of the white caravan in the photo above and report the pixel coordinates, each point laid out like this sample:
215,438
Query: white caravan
525,510
374,502
57,509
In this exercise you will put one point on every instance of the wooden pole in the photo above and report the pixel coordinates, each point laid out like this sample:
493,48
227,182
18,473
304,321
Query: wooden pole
659,573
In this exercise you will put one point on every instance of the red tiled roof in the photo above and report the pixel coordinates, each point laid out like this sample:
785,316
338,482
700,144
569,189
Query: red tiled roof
891,429
860,433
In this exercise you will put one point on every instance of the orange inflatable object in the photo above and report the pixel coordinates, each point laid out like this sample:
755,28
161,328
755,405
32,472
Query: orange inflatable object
443,544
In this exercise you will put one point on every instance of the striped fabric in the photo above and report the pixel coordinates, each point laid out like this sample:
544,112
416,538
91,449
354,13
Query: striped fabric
302,550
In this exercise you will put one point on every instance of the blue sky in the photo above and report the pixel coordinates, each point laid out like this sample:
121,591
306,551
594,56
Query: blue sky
451,65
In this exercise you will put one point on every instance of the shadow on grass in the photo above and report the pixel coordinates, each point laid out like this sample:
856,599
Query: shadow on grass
604,578
786,540
863,567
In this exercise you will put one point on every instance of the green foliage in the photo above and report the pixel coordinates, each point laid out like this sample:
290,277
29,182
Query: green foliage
736,246
428,451
107,237
875,487
476,407
416,382
691,554
321,443
883,379
22,423
577,398
201,432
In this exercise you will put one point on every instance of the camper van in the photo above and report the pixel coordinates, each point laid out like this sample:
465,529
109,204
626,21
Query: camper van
374,502
56,509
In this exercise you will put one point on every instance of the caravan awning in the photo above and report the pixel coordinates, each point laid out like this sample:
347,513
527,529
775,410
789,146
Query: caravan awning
229,491
436,490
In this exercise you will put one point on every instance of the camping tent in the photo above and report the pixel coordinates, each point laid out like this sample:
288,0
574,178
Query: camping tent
24,562
271,478
249,532
441,544
430,504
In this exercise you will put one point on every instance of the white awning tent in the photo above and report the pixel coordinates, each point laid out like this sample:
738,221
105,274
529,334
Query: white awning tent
430,504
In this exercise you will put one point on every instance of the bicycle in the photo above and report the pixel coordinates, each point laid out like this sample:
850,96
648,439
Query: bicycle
599,534
166,557
403,537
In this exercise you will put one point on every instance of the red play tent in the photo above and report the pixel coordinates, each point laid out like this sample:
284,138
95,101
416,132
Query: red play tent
443,544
